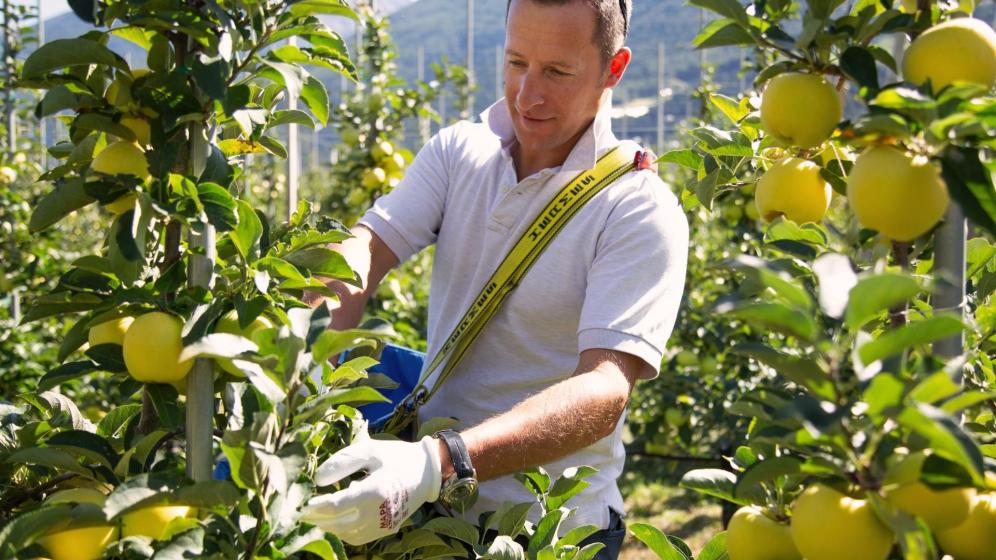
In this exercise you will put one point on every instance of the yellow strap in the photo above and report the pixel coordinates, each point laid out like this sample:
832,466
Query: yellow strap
612,165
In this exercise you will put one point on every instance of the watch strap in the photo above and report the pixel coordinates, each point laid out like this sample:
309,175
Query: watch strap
458,453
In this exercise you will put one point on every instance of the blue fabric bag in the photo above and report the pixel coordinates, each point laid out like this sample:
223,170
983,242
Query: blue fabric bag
403,366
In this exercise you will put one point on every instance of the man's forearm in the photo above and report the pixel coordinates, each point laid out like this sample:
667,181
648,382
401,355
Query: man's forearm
370,259
552,424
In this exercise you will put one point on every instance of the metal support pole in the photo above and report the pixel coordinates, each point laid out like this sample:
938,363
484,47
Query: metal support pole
9,29
293,154
423,122
470,60
949,269
499,72
200,380
42,123
661,84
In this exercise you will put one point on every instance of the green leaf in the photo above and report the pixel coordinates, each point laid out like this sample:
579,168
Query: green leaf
685,158
135,35
219,205
874,294
62,53
453,527
883,394
858,63
944,435
715,549
971,185
712,482
290,116
920,332
273,146
570,484
23,529
722,33
64,373
248,232
767,470
657,542
67,198
780,282
776,316
164,400
936,387
546,531
208,494
802,371
53,458
729,107
321,261
218,345
316,97
116,419
330,7
90,445
59,304
726,8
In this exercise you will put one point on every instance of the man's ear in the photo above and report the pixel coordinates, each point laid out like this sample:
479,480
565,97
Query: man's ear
617,66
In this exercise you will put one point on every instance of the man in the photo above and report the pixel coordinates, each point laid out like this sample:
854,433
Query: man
547,381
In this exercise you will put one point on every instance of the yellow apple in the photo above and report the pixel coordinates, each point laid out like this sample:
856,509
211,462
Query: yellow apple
81,495
793,188
82,543
940,509
975,539
374,177
121,158
900,195
152,347
381,150
122,204
962,49
140,127
751,535
395,164
151,521
800,109
827,525
109,332
229,323
7,175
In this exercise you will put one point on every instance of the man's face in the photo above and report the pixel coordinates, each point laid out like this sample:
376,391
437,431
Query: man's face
554,78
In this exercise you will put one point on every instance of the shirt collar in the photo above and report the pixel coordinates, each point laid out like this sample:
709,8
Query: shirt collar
596,140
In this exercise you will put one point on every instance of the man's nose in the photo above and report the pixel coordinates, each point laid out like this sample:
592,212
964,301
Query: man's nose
530,91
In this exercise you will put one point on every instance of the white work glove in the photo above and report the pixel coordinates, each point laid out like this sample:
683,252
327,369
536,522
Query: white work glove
402,476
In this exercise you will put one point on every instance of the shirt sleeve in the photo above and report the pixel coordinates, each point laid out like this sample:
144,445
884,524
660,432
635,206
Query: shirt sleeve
637,277
408,218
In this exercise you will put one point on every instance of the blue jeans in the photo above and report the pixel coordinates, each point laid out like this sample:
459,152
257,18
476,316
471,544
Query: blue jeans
612,538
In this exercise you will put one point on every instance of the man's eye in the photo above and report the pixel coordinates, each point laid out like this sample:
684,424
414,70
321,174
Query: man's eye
516,63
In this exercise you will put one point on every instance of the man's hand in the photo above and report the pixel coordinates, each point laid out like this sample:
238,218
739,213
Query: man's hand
402,476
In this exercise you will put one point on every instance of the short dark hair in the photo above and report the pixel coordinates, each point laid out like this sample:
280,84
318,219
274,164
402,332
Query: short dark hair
612,19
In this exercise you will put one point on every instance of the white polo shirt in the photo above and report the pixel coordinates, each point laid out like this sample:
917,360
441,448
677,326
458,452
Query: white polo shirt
613,278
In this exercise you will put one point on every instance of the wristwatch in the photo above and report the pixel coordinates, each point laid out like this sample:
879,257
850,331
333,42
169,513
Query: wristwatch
459,490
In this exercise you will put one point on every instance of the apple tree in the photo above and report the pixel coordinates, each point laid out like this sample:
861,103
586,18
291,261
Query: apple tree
876,440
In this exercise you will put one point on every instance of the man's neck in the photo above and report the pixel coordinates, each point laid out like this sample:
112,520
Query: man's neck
528,162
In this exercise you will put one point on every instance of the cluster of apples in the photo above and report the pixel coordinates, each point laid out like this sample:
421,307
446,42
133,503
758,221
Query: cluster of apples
893,191
125,158
828,524
152,344
86,540
389,167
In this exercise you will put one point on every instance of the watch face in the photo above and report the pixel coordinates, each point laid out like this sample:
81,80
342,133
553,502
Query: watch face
461,494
